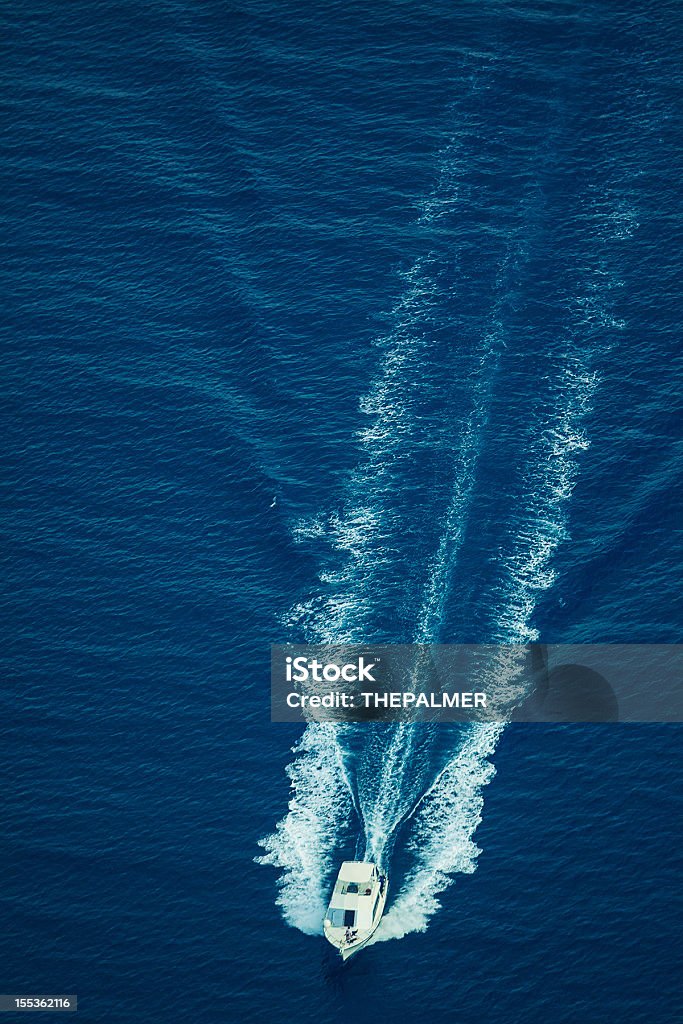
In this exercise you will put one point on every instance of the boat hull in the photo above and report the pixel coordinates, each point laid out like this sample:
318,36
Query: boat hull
347,952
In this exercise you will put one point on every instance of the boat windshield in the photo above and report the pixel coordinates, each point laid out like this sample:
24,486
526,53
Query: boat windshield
340,918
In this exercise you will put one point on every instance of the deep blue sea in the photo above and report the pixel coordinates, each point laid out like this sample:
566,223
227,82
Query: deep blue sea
333,321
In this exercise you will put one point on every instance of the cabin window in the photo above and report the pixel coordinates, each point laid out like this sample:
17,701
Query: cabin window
352,887
349,918
374,909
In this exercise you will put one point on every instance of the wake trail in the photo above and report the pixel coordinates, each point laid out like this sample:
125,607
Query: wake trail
382,779
305,840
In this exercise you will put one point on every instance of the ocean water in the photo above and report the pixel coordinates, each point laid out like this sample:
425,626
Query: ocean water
335,321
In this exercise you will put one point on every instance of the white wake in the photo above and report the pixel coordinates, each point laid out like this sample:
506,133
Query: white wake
334,788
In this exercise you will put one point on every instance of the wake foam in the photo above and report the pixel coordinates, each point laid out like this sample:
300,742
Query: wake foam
385,796
304,843
550,478
395,783
441,837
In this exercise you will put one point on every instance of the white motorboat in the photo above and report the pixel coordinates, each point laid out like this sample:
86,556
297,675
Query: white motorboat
356,906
